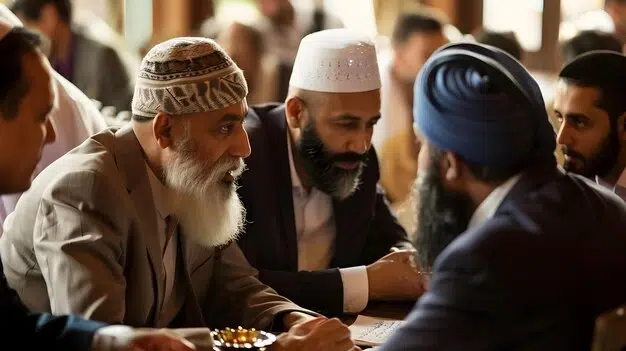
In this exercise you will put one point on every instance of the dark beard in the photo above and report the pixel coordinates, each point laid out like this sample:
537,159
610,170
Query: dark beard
601,162
442,216
319,165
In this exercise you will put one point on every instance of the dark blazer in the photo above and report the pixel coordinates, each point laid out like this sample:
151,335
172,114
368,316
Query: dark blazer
40,331
100,73
533,277
365,228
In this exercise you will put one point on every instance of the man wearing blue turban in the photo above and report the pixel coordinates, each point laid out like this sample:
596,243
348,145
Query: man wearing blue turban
522,255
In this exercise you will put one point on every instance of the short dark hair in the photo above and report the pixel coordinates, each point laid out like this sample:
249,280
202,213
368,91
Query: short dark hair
587,41
31,9
487,174
505,41
604,70
13,84
418,22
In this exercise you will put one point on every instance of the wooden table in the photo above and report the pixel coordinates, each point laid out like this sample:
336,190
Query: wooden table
392,310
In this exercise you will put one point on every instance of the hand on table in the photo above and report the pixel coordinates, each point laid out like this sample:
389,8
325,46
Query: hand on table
123,338
158,340
318,334
293,318
395,277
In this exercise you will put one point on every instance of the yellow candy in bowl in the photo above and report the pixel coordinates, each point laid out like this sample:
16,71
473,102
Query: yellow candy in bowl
242,339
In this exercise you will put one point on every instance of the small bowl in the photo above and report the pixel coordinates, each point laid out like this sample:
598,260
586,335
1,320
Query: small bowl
238,339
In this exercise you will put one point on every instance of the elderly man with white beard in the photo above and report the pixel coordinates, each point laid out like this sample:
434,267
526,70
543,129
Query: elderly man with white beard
136,225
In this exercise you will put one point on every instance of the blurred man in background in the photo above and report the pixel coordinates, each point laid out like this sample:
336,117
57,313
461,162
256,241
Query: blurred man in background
415,37
244,43
505,41
283,23
74,117
589,40
95,68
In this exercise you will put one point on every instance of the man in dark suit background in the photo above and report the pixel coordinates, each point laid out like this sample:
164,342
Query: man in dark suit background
26,98
524,257
318,228
93,66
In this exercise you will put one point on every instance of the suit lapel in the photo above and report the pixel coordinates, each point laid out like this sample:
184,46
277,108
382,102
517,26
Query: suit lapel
349,235
277,137
128,156
353,217
191,311
342,223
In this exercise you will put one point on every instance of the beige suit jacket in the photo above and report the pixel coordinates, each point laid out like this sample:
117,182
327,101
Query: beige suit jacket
84,240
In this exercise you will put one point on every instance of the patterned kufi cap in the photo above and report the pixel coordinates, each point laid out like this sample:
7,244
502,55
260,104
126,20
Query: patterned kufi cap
187,75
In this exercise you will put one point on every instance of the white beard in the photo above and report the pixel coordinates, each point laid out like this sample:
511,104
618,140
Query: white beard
208,209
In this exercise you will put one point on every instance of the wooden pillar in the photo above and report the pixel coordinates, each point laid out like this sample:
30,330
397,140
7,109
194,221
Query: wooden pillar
116,15
546,59
201,10
170,18
469,15
449,7
176,18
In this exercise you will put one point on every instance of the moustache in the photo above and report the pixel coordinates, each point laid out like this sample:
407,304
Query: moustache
349,157
571,153
232,166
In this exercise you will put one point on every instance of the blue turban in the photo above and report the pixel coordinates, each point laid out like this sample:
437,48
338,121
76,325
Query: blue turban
481,104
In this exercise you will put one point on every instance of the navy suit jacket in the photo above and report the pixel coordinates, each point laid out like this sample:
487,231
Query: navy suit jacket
533,277
365,228
40,331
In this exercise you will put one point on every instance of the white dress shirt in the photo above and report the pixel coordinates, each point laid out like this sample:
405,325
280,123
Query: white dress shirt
75,118
315,230
169,246
618,188
490,204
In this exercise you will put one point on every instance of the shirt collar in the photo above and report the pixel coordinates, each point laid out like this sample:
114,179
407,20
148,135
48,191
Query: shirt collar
159,194
621,181
296,183
490,204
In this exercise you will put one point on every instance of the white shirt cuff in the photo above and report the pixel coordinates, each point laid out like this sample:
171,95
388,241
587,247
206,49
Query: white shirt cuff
112,337
355,289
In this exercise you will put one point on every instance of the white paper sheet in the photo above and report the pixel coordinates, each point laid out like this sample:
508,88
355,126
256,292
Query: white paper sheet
370,331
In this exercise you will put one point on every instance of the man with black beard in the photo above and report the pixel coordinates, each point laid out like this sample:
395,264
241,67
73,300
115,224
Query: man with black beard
523,256
137,225
318,228
590,108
